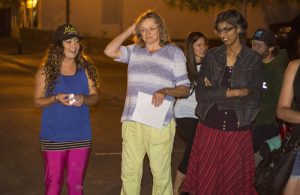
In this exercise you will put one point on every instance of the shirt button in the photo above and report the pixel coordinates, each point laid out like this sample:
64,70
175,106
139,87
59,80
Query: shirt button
225,112
224,129
224,122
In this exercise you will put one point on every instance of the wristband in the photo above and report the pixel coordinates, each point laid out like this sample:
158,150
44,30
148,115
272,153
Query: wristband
85,99
55,98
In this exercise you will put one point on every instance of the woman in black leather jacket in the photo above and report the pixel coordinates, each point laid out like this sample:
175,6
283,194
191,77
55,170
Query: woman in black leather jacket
228,93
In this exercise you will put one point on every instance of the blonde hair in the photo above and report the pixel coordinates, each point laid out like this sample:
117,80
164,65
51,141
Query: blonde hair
163,34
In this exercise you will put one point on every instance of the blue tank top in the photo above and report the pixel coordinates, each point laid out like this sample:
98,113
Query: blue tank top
62,123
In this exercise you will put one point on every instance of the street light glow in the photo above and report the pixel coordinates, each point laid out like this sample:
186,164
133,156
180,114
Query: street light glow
31,4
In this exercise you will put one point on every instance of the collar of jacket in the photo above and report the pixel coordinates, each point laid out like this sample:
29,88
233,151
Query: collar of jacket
220,53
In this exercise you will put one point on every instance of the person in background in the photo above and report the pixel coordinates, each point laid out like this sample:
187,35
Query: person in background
289,110
65,86
228,94
196,45
298,47
158,68
266,126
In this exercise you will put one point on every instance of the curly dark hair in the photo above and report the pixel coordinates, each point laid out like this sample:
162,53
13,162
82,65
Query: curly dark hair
53,60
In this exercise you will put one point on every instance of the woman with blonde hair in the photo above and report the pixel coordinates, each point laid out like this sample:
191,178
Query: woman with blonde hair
157,68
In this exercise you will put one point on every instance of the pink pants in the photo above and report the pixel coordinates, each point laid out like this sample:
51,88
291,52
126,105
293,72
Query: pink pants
74,161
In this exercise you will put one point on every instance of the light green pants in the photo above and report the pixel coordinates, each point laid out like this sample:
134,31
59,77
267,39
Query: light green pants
139,139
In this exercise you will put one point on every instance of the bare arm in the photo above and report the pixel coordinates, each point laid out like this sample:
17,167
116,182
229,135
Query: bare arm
39,98
90,99
178,91
284,106
93,97
113,48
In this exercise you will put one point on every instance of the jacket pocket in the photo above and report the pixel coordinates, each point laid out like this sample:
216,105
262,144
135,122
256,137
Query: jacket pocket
215,74
241,78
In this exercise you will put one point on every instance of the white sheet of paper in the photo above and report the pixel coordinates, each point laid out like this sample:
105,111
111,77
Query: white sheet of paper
147,114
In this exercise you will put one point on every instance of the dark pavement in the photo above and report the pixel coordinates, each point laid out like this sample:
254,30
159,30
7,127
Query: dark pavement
21,164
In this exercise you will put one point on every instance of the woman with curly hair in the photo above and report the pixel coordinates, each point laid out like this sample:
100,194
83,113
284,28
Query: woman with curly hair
65,86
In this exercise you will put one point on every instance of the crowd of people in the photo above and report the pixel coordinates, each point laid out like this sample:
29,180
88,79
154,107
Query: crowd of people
227,103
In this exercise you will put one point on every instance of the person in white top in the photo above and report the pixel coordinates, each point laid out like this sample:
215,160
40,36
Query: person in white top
196,45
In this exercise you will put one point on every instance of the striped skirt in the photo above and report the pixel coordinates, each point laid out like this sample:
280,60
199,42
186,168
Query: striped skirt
221,163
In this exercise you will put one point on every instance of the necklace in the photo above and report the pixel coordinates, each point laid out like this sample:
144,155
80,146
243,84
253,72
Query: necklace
231,60
231,54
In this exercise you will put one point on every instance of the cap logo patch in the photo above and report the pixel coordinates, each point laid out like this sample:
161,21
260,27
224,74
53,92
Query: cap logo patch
258,33
70,30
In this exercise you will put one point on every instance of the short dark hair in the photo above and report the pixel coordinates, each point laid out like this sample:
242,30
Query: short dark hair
233,17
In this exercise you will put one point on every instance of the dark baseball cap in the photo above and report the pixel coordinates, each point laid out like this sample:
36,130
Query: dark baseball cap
265,35
64,32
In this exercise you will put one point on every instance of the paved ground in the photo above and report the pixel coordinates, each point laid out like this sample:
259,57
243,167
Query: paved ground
21,164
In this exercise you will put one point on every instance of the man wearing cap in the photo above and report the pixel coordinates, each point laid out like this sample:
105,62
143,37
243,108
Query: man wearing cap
275,61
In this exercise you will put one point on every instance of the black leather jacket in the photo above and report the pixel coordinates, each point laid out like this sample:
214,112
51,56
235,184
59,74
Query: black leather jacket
246,73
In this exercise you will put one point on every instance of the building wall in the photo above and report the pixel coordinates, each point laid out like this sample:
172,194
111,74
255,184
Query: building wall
85,15
51,13
179,22
90,17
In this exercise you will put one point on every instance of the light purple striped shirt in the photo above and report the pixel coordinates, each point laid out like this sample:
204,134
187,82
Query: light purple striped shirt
149,72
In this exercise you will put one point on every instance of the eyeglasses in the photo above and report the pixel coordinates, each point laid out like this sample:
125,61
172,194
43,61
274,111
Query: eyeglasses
150,30
224,30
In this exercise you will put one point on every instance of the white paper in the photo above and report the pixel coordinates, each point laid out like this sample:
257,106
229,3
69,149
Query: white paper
147,114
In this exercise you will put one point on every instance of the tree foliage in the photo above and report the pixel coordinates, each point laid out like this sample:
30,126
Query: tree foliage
197,5
9,3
